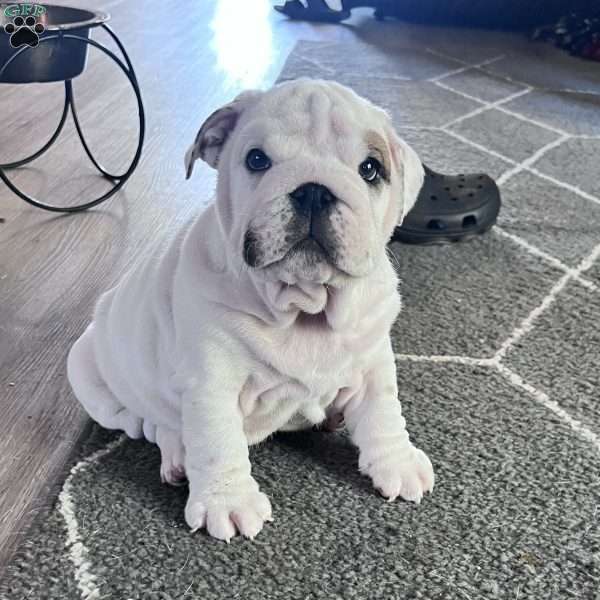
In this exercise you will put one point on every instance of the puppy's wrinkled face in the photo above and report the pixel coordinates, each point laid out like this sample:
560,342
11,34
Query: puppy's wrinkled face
312,180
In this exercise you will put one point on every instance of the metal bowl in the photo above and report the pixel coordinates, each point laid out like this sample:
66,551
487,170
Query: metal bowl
56,59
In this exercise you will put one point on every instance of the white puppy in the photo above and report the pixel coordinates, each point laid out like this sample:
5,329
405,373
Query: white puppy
269,311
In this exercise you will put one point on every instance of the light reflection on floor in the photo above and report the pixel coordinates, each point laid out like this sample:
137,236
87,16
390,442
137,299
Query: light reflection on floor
243,40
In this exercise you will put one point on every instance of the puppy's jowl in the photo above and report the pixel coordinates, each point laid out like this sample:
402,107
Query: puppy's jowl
269,311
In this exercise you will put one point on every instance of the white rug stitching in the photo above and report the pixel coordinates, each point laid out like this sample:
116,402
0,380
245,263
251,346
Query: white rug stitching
78,552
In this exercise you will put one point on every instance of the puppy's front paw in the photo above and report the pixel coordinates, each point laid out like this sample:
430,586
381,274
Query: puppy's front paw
224,515
409,475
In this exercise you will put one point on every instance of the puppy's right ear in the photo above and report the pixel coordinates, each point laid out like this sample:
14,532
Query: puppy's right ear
215,130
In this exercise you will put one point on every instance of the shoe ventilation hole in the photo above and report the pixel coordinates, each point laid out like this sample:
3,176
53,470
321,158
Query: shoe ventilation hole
447,189
480,177
471,194
436,224
454,199
479,187
460,185
433,197
469,221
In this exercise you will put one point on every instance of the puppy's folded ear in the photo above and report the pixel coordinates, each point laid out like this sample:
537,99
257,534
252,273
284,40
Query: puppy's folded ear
214,132
409,169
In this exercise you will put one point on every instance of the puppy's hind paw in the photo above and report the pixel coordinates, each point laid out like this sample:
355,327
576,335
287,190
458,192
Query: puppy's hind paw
225,515
172,454
172,474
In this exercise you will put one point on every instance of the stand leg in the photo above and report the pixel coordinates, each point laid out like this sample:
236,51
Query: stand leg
132,79
82,138
117,41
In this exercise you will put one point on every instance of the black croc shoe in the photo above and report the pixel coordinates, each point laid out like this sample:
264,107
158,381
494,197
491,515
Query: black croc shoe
450,208
316,10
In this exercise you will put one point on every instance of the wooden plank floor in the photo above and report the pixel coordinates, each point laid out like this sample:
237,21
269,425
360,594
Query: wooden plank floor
52,268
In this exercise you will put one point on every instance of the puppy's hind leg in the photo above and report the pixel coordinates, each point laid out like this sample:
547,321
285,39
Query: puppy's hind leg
172,453
92,391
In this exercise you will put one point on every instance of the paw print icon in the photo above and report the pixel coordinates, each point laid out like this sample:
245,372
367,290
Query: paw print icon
24,32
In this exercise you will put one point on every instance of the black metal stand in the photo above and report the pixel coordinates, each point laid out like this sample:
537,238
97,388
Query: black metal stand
69,105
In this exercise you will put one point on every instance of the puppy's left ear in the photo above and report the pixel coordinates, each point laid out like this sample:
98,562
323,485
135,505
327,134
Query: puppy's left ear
215,131
410,170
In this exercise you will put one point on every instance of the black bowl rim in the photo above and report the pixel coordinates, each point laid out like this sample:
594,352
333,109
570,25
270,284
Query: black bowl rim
98,17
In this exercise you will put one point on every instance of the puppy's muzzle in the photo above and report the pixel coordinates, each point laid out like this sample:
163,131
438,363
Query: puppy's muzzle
307,232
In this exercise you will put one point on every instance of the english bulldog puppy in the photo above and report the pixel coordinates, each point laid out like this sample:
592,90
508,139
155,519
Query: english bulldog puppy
270,310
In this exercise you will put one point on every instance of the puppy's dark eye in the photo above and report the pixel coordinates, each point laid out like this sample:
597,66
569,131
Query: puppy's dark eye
257,160
370,169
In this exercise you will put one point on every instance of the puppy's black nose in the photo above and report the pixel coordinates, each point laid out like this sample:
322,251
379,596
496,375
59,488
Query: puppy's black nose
311,198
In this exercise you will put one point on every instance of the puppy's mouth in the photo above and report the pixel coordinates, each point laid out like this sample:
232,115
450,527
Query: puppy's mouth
302,243
306,259
311,248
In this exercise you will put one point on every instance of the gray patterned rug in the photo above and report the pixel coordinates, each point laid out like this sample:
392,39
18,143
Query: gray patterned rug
498,364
